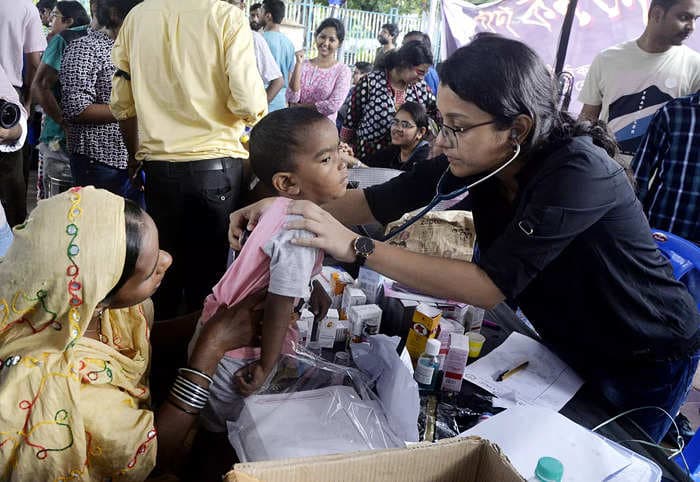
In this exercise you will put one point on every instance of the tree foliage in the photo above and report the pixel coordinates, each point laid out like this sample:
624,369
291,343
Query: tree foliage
384,6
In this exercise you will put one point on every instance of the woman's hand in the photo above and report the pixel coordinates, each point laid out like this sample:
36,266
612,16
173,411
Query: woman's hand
299,55
331,236
246,219
228,329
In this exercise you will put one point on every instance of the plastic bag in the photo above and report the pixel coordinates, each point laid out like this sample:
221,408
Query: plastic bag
310,407
395,385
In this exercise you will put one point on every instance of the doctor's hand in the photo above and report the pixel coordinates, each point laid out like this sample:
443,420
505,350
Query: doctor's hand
331,236
246,219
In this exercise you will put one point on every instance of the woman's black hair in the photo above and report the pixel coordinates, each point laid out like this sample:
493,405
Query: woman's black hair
424,37
74,10
417,112
333,23
506,78
133,220
409,55
120,8
275,139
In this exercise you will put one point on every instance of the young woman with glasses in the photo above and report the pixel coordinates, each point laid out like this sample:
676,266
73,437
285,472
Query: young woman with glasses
408,129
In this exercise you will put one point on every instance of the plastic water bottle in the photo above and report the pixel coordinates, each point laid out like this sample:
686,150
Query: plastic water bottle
428,366
548,469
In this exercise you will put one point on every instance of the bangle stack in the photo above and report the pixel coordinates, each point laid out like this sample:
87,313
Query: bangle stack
189,393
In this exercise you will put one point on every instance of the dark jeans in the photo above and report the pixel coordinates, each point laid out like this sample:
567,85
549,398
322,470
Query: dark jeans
13,189
658,384
88,172
190,203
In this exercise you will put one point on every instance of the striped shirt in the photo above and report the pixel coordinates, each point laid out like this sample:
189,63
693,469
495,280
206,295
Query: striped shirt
667,168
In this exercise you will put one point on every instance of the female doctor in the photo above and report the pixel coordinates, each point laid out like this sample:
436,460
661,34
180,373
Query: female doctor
559,228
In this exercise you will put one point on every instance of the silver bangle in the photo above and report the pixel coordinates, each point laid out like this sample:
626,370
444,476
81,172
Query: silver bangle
196,372
190,404
201,396
192,386
187,397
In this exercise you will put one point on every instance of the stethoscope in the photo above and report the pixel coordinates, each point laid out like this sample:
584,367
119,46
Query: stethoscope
440,196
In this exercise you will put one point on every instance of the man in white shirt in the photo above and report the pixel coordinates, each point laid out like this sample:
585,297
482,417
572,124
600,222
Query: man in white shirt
269,71
21,42
12,136
627,83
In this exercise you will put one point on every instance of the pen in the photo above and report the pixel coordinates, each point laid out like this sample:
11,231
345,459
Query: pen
512,371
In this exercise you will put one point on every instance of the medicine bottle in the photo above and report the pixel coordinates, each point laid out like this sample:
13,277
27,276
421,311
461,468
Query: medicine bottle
428,366
548,469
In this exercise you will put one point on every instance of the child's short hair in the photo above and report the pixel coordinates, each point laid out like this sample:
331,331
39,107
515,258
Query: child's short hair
275,139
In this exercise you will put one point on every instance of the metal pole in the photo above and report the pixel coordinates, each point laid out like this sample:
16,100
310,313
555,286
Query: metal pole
564,36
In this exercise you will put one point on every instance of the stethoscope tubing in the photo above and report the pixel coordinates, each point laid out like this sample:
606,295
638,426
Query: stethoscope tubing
439,196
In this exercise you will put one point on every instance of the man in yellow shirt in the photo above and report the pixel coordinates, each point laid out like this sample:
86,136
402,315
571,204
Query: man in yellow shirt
186,86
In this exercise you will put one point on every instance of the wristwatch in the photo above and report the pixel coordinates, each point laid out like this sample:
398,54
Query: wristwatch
363,247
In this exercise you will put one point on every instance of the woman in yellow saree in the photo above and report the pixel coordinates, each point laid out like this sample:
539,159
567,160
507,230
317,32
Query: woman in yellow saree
75,319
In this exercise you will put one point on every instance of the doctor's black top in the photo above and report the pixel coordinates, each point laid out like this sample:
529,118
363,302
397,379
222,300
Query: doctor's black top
574,250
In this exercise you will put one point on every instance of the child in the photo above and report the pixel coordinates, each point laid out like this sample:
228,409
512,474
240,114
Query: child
294,152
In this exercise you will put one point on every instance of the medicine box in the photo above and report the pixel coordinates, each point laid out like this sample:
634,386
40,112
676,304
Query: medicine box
426,320
351,297
329,328
365,319
455,362
447,327
305,324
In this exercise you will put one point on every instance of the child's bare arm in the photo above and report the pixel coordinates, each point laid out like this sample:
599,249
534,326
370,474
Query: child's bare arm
278,310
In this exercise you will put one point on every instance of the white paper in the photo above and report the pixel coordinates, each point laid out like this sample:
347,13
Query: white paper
547,381
527,433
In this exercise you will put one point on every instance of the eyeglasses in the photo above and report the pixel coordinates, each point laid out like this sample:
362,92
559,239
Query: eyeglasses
450,133
401,124
55,15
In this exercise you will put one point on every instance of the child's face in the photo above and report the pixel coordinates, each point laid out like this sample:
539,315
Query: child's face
321,174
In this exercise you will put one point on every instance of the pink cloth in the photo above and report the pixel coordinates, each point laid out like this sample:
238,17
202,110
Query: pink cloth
250,272
20,33
325,88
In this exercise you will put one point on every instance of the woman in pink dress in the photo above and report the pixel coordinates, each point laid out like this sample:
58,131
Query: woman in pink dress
321,83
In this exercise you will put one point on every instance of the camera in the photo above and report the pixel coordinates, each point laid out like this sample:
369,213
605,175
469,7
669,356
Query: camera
9,114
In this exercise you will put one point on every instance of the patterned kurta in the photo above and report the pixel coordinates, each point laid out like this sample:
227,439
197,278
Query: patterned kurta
373,104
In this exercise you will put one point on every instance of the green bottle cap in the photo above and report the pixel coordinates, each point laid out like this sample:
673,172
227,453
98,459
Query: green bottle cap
549,469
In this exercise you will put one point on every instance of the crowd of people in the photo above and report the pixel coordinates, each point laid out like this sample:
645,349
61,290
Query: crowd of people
173,109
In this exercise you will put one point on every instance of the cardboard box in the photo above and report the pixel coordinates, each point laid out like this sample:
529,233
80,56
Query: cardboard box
426,320
469,459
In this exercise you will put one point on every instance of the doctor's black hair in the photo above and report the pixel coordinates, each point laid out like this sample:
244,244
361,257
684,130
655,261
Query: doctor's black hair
506,78
275,139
